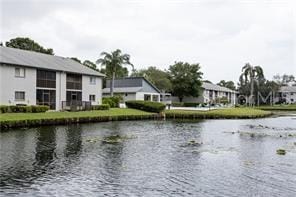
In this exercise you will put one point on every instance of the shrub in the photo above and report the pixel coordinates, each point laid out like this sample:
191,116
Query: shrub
177,104
39,108
4,108
112,101
191,104
23,109
101,107
146,106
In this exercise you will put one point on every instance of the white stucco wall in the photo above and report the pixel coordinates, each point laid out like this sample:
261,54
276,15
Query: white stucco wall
129,96
92,89
60,89
9,84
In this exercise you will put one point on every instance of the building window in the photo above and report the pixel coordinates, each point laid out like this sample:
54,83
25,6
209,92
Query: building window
155,98
92,80
92,97
74,81
147,97
74,96
46,79
19,96
19,72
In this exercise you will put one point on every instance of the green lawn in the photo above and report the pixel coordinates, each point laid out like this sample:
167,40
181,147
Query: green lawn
11,120
56,115
219,113
278,107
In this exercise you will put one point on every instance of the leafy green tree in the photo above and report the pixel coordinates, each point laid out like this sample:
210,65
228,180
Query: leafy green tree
76,59
28,44
121,72
284,80
266,89
207,81
227,84
113,62
250,74
186,79
156,76
90,64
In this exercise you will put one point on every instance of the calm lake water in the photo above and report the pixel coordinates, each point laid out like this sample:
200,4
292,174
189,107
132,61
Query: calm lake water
154,158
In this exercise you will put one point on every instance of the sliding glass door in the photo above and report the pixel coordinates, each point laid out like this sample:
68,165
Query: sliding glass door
46,97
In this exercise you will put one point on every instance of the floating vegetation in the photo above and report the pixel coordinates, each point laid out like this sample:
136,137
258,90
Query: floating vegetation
231,132
192,143
271,128
281,151
216,150
93,140
113,139
267,134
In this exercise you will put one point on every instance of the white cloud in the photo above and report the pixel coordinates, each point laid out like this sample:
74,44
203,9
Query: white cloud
221,35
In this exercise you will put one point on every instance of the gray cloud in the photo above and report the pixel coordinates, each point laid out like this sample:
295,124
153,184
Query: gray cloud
221,35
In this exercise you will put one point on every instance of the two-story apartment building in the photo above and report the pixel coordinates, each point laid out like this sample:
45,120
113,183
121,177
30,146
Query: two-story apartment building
32,78
286,94
212,93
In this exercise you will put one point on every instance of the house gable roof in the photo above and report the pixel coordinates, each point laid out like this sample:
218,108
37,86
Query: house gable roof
210,86
130,82
12,56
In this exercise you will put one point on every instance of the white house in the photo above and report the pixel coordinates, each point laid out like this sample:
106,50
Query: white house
211,93
286,94
32,78
134,88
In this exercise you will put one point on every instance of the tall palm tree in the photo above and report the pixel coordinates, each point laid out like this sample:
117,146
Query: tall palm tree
114,61
251,74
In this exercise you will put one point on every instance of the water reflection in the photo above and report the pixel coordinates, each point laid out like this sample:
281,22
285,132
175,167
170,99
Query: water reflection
45,145
156,161
73,140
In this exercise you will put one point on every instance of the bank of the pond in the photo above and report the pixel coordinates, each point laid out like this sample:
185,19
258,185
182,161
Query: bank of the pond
278,107
12,120
231,113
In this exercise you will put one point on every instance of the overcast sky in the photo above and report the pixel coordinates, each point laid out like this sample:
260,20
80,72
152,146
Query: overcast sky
221,35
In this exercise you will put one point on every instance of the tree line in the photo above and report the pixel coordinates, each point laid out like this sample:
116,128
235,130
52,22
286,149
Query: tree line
181,79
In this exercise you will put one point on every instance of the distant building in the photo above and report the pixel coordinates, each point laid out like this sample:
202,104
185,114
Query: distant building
31,78
212,93
135,88
286,94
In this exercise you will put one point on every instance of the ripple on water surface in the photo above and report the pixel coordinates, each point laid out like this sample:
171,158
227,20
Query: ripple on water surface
152,158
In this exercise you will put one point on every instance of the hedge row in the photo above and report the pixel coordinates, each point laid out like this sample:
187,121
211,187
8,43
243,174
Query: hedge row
101,107
23,109
148,106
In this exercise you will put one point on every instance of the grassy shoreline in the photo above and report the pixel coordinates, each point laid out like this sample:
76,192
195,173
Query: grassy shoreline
278,107
231,113
13,120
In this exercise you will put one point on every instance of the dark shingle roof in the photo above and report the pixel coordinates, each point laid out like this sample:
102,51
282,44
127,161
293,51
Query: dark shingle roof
210,86
123,90
131,82
12,56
